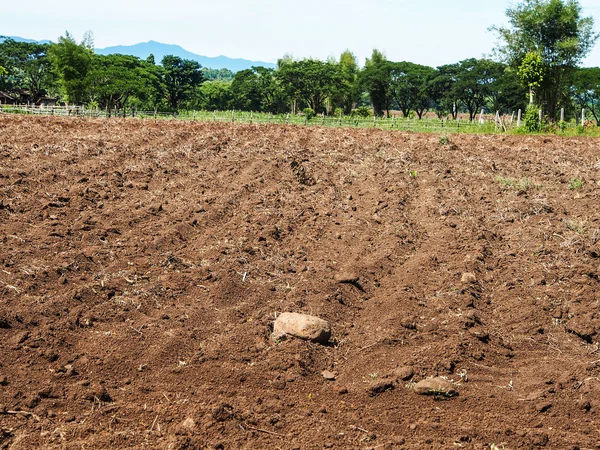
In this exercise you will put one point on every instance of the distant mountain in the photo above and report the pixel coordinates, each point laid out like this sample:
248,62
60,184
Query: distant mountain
20,39
159,50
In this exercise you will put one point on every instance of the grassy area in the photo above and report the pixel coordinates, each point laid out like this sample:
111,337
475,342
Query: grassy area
424,125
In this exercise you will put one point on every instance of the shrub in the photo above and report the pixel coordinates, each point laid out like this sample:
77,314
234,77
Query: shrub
531,119
309,113
362,111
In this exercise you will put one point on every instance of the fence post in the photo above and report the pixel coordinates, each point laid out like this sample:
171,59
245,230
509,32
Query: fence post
287,118
232,115
496,120
512,117
562,114
393,121
374,120
541,118
323,119
519,118
215,115
582,117
340,118
269,118
481,117
251,116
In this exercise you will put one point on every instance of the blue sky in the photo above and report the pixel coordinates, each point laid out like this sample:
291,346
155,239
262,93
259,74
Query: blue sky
432,32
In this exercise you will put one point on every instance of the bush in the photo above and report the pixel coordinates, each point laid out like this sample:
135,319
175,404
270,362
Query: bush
531,119
362,111
309,113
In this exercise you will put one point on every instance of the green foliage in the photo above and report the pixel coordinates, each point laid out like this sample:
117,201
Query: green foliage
257,89
531,72
531,119
520,185
71,63
410,87
375,79
555,30
181,78
363,112
27,69
215,95
310,81
118,79
444,139
217,74
585,90
309,113
575,183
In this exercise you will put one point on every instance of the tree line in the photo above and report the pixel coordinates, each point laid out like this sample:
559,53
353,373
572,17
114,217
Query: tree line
536,64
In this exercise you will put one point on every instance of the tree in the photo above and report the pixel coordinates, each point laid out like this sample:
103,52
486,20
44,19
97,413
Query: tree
556,31
441,88
375,79
410,87
71,63
349,90
507,93
472,81
28,67
118,78
531,72
585,90
181,78
218,74
215,95
310,81
257,89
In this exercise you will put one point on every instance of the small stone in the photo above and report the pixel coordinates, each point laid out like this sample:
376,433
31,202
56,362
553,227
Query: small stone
468,278
343,391
301,326
403,373
380,387
435,386
3,381
329,376
535,395
346,277
188,424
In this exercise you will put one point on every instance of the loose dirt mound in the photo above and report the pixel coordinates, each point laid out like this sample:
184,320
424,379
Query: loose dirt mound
143,265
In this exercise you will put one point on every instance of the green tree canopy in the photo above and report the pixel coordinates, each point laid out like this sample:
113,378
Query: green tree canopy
554,29
586,90
310,81
181,78
410,87
72,62
28,69
531,71
118,78
375,79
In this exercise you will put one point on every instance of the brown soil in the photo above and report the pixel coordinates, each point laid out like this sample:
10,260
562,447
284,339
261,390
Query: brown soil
143,264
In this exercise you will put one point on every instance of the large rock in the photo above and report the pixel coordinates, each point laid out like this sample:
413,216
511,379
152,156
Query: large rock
435,386
302,326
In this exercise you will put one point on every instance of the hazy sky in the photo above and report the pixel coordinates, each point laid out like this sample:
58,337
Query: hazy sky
432,32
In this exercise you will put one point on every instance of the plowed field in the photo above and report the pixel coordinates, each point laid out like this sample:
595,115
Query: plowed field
142,265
